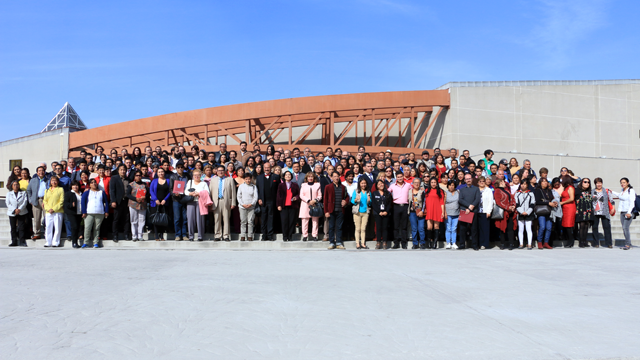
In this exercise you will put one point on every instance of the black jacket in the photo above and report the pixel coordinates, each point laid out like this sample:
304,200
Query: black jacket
378,200
324,180
71,203
117,188
543,197
268,189
369,181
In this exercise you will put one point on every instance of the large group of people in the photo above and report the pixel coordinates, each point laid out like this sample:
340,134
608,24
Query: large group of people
428,200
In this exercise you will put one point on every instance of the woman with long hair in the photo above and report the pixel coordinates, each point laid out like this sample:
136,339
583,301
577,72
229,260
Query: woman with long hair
584,210
160,190
567,200
15,176
381,203
16,202
544,197
507,224
440,165
361,200
525,202
434,212
513,166
627,198
416,214
484,215
73,211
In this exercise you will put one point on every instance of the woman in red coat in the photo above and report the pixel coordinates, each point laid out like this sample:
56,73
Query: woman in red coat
287,201
507,225
434,211
567,200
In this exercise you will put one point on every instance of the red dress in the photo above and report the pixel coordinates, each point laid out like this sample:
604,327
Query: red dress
433,206
569,209
441,169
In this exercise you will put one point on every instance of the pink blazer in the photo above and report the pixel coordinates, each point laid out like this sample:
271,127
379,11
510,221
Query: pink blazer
308,193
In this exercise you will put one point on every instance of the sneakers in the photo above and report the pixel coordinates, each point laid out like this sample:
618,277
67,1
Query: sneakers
340,247
331,247
454,246
482,248
84,246
95,246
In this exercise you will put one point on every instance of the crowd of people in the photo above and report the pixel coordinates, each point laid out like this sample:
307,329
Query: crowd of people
457,201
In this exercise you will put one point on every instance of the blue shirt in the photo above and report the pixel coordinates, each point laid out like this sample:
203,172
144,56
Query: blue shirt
363,200
221,188
43,187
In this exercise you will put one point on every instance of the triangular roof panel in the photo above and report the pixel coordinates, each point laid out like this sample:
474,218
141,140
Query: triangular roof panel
67,117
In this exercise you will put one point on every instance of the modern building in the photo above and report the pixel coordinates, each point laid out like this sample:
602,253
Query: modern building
592,127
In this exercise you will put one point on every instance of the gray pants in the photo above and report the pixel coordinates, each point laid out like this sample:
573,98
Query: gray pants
195,219
137,218
38,215
626,223
247,217
92,222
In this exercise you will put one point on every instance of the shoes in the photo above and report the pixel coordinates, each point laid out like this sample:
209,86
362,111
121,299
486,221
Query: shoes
540,245
396,245
216,239
227,240
135,240
50,246
482,248
128,237
423,246
454,246
315,238
249,238
178,238
520,247
95,246
59,245
24,244
448,246
546,246
305,238
415,247
84,246
610,246
404,245
331,247
476,249
325,239
242,238
340,247
529,248
12,245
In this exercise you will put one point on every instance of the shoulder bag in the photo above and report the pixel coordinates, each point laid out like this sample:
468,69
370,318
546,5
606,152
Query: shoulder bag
542,210
185,199
497,213
612,205
160,218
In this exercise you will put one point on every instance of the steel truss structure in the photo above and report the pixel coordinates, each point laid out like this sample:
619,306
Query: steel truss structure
386,120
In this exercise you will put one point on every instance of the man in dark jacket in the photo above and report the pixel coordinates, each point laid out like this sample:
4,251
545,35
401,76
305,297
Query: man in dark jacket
267,184
324,180
469,200
119,202
334,200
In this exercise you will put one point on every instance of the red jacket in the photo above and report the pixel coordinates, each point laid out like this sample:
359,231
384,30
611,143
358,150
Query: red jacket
281,195
329,197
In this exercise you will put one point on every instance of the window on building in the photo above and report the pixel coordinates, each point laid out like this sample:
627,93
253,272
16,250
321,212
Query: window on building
14,163
1,184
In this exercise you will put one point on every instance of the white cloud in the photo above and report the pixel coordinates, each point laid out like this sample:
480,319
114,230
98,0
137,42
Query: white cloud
564,24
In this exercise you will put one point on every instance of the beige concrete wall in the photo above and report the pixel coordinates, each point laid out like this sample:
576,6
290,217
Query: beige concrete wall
45,147
597,126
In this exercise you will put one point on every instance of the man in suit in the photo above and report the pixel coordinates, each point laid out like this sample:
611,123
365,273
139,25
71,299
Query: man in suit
223,194
244,153
223,151
35,192
267,184
119,202
368,175
131,170
298,176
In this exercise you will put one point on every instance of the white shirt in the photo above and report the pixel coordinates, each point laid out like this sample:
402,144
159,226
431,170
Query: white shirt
199,187
94,203
627,200
78,203
350,188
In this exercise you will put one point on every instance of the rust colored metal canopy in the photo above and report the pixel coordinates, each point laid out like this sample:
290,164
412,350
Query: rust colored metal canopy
264,122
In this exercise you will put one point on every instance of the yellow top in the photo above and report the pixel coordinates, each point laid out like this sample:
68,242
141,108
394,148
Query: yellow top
54,199
514,170
24,184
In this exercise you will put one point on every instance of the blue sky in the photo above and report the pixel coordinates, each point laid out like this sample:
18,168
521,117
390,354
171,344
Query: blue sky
123,60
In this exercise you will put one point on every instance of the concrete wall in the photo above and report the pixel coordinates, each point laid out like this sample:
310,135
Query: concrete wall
585,122
44,147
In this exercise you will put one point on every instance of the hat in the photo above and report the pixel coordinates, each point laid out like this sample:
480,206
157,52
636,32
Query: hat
503,162
388,150
180,163
425,152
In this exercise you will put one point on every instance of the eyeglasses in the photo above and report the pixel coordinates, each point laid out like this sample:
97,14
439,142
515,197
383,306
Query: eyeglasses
563,170
586,182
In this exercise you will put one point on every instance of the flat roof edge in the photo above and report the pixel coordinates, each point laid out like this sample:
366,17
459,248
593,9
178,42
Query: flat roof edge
453,84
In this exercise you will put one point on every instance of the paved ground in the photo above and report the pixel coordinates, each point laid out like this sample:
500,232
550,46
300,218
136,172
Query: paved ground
327,304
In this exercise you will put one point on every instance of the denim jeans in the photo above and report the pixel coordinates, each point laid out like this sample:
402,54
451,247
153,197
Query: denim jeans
452,228
544,229
417,227
180,219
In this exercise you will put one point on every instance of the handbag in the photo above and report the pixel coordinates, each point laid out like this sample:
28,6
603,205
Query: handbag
542,210
497,213
160,218
316,210
355,209
185,199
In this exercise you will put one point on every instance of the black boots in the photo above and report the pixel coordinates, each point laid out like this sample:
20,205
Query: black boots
436,235
74,244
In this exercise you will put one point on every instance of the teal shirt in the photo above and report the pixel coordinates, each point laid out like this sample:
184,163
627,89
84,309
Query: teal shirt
364,199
